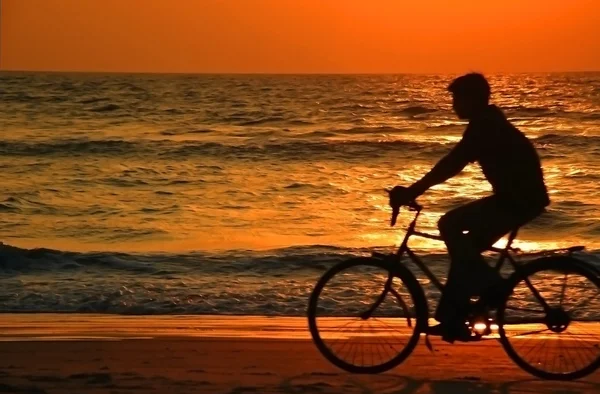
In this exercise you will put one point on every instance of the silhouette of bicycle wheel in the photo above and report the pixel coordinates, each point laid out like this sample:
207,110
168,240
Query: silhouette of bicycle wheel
548,325
365,317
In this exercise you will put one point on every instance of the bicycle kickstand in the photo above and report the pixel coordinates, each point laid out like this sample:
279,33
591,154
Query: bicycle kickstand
428,343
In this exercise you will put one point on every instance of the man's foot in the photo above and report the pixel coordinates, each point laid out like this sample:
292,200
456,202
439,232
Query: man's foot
436,330
450,332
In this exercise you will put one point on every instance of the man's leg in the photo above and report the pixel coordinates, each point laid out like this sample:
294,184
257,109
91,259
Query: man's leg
467,231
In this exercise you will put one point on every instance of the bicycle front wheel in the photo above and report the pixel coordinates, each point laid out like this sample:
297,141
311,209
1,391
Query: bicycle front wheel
548,325
365,317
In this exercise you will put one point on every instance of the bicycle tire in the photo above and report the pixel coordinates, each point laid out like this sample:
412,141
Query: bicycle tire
412,285
560,264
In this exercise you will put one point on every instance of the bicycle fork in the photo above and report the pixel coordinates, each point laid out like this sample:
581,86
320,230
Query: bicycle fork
388,289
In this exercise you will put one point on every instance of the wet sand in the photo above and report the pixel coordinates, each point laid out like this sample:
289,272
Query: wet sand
54,353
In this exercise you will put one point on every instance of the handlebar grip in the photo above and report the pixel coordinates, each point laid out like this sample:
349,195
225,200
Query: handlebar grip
415,206
395,213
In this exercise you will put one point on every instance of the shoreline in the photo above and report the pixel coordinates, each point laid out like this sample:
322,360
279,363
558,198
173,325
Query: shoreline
62,353
48,326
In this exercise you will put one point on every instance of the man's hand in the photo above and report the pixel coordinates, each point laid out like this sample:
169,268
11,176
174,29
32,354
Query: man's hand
399,196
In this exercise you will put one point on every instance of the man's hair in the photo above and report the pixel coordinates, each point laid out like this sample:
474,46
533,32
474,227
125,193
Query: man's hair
473,86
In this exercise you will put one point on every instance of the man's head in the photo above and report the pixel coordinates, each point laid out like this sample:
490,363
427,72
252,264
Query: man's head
470,94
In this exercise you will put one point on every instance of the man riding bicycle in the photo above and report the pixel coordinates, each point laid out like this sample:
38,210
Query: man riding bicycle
511,165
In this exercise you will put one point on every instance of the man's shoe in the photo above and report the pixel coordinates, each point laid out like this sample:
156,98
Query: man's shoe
451,332
438,330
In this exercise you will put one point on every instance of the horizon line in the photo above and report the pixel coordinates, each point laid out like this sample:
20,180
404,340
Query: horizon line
23,71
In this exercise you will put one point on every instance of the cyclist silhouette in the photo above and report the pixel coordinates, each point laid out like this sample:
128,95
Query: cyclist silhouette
511,164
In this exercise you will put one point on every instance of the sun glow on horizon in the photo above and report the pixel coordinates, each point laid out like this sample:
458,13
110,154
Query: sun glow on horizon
301,36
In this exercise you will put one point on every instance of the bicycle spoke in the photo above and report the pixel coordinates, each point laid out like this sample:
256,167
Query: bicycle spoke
346,325
362,353
372,352
527,320
537,343
571,348
388,326
562,291
581,341
586,304
559,358
530,310
575,358
353,354
338,340
578,355
389,344
540,352
379,345
547,350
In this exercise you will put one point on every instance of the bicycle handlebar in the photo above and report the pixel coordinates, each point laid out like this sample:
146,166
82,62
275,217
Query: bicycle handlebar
412,206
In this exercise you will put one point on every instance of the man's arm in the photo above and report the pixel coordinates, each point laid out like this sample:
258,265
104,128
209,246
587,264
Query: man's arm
449,166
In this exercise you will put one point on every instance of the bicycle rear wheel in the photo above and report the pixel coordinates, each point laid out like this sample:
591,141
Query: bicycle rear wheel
366,317
559,340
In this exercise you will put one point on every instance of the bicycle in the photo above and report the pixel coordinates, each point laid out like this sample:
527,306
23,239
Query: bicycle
526,310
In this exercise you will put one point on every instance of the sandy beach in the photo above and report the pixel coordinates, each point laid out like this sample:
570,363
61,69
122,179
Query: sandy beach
55,353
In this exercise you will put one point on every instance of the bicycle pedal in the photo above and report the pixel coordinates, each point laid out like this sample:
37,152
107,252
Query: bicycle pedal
481,338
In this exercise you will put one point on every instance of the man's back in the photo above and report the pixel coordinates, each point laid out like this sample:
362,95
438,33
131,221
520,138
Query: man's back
508,160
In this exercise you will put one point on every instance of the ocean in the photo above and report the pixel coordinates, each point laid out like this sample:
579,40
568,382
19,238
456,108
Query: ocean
232,194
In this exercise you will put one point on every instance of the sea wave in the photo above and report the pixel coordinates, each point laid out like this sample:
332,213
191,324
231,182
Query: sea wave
93,100
416,110
337,144
106,108
283,120
288,260
304,150
276,282
290,150
66,147
318,257
341,133
522,110
569,140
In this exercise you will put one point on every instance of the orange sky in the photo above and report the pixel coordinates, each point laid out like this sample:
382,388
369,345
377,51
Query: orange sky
301,36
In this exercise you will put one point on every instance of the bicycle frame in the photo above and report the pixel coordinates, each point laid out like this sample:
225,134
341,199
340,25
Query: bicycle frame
404,248
504,255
